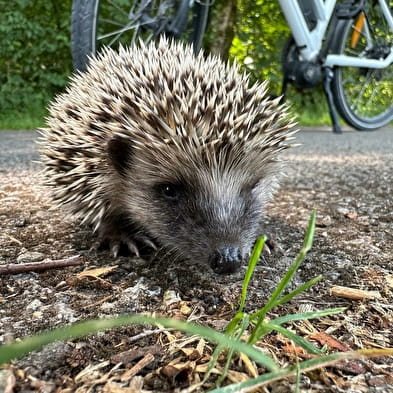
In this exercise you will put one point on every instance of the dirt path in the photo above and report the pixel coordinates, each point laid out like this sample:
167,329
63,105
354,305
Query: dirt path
347,178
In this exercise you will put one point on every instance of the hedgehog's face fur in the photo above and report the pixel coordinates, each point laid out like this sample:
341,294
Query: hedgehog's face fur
206,205
178,145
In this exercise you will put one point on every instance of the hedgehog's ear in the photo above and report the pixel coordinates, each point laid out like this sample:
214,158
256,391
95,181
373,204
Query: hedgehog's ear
120,152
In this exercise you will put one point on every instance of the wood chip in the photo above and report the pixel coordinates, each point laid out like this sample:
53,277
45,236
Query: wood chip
353,293
135,386
201,346
146,360
389,280
7,381
191,353
129,356
236,376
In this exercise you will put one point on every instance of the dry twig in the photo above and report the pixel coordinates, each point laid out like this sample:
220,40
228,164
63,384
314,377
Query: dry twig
46,264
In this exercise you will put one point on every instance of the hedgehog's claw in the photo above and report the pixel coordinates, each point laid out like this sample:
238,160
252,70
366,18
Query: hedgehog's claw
96,245
147,242
132,247
115,248
116,240
116,244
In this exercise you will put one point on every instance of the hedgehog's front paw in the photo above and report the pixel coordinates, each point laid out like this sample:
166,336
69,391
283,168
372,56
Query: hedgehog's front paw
116,240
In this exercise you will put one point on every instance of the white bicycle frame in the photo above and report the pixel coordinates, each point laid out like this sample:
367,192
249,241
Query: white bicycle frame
309,42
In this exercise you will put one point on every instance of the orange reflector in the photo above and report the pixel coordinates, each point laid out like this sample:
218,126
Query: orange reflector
357,30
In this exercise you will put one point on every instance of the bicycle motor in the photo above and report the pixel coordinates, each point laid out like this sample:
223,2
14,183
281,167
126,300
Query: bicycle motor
301,73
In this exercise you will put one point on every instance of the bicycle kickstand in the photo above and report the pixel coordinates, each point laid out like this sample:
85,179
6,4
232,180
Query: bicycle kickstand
328,76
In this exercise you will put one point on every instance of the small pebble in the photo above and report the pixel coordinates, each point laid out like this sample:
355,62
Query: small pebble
34,305
32,256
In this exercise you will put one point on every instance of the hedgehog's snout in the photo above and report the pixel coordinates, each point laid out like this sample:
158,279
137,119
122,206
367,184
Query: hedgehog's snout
226,260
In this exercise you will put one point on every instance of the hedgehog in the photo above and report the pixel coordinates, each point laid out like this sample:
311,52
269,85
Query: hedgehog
154,145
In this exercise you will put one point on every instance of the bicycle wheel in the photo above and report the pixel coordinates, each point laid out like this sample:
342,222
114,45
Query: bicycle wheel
95,23
364,96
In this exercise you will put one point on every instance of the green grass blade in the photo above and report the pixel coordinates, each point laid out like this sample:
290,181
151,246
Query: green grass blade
254,337
294,267
256,253
241,330
308,239
298,375
14,350
306,315
302,342
234,324
213,362
307,365
286,298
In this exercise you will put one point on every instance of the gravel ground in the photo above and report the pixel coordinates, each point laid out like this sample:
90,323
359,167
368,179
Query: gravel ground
347,178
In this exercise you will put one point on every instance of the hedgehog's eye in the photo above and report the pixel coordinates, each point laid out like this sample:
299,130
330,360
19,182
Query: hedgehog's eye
171,192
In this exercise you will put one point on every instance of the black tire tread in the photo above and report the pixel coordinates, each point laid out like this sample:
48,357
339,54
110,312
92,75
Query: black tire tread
81,30
337,89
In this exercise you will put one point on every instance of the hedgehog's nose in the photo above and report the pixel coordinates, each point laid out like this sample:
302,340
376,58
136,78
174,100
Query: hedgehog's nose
225,260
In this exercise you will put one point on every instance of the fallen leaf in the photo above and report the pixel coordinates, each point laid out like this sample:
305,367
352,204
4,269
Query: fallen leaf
100,271
325,339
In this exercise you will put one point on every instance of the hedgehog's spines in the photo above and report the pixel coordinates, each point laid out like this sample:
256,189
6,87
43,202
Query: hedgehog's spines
169,105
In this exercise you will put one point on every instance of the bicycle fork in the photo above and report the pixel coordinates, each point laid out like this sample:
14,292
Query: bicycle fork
327,88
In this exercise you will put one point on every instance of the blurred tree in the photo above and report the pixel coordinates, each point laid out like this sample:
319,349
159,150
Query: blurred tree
221,28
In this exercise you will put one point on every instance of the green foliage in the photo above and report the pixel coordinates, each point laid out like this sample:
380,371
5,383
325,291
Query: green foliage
261,35
27,118
34,53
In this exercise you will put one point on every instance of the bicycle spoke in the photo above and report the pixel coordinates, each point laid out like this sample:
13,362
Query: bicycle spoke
114,5
111,22
373,94
117,32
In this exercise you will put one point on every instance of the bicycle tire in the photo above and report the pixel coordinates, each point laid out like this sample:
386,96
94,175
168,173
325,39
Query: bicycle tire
82,31
362,95
85,25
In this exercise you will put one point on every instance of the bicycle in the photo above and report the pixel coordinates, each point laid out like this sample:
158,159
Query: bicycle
95,23
347,46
